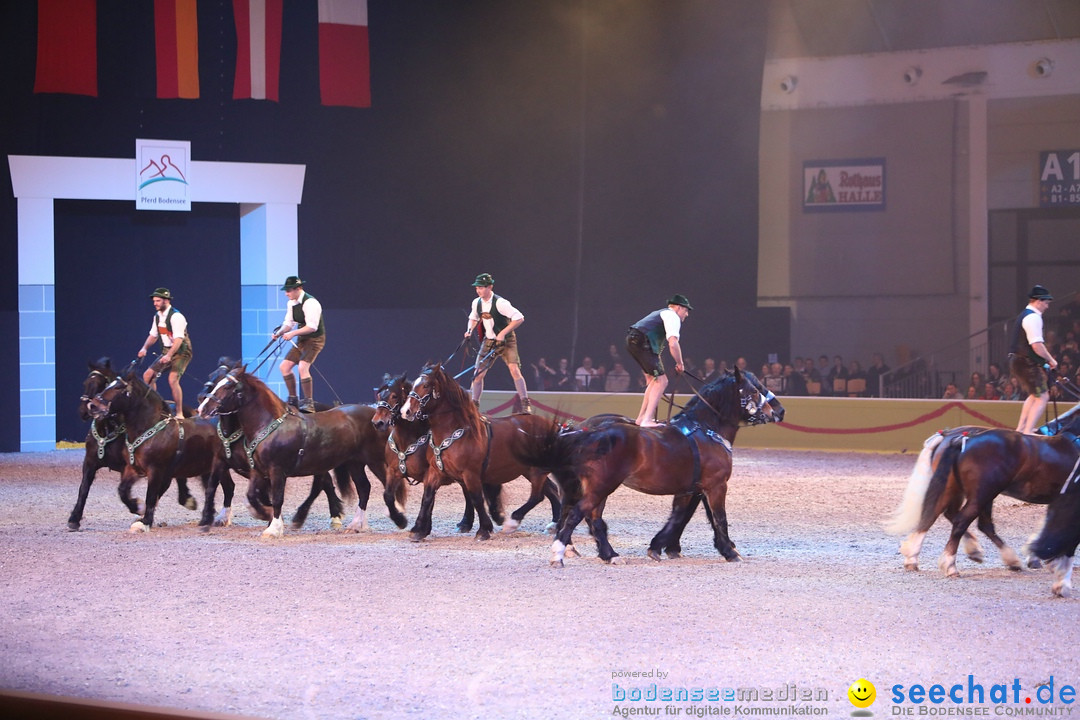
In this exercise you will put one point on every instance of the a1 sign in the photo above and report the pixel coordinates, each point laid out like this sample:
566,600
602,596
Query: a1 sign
1059,178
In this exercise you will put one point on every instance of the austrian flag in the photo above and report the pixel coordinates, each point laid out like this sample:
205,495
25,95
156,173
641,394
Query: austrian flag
258,49
344,64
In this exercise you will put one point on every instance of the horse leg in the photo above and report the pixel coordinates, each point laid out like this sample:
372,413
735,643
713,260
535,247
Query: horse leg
573,515
363,493
551,492
334,502
228,488
89,470
258,498
276,528
394,493
422,527
1062,568
970,543
476,490
300,516
155,486
494,496
467,519
539,485
714,506
183,496
207,518
603,547
682,509
963,519
1008,555
128,478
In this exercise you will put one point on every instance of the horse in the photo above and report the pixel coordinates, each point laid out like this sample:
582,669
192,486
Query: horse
690,458
408,451
158,445
234,455
104,451
472,450
959,474
281,442
1059,536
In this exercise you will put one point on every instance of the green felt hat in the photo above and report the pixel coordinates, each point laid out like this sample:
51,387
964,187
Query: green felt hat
677,299
292,282
162,293
483,280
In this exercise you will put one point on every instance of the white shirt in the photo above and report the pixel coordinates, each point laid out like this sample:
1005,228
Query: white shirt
672,323
507,310
312,313
179,327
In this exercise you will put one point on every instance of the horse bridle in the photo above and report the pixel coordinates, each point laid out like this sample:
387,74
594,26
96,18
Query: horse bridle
423,401
218,404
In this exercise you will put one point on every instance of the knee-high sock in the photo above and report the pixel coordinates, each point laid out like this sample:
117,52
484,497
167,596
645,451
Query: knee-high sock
305,387
290,384
522,390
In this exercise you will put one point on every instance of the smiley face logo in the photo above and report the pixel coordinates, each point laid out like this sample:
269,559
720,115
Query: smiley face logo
862,693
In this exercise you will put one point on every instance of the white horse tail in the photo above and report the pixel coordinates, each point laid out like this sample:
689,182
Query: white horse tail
907,516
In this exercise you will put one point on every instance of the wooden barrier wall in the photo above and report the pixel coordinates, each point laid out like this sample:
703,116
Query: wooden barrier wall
842,424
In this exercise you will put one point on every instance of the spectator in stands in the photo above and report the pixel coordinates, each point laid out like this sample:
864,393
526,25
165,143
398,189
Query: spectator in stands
709,371
740,363
877,369
823,372
836,372
990,392
546,376
976,382
617,379
994,375
585,376
1014,391
564,382
952,393
794,382
773,378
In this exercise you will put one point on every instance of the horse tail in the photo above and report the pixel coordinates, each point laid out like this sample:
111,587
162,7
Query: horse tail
551,449
907,516
344,482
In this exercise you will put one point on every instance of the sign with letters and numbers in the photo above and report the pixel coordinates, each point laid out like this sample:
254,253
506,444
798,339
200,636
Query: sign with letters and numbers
1059,178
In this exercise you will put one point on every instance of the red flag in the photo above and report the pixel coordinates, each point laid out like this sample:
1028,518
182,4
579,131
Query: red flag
67,47
258,49
176,35
344,63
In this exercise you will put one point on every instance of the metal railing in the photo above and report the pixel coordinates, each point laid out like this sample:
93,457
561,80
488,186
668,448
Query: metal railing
927,375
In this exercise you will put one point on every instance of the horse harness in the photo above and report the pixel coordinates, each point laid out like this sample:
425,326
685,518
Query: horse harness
403,455
689,428
121,429
228,441
265,433
133,446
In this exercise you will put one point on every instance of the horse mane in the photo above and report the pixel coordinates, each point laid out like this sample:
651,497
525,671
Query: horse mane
141,390
720,397
459,401
262,393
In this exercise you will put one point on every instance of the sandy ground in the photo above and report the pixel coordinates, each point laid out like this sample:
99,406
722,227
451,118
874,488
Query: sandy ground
322,624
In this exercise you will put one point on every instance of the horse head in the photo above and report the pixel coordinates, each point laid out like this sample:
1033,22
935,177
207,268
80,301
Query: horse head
731,399
227,394
225,364
389,399
101,374
425,390
110,399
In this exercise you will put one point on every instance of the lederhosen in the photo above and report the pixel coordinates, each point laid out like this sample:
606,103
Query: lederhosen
1024,362
182,356
310,345
644,341
508,352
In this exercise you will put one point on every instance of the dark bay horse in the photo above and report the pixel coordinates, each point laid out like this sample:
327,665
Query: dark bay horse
157,444
959,475
473,451
105,449
690,458
281,442
408,452
235,456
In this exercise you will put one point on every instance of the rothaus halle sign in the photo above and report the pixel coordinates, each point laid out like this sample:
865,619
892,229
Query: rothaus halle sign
163,173
843,185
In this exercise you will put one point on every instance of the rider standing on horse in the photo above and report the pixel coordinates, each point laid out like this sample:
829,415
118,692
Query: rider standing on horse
645,342
1027,355
303,321
498,319
170,327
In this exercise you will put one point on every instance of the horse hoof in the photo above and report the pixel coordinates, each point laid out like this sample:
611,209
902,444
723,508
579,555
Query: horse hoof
511,526
463,528
204,527
912,565
483,535
976,556
415,537
138,527
734,558
653,555
73,526
571,551
400,521
335,522
674,554
191,504
1062,590
1033,562
552,528
556,563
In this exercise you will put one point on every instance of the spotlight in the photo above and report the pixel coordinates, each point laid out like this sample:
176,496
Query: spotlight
912,75
788,83
1043,67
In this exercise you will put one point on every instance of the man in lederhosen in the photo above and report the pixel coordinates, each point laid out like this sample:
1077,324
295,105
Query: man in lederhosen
170,327
498,320
1027,355
304,323
645,340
